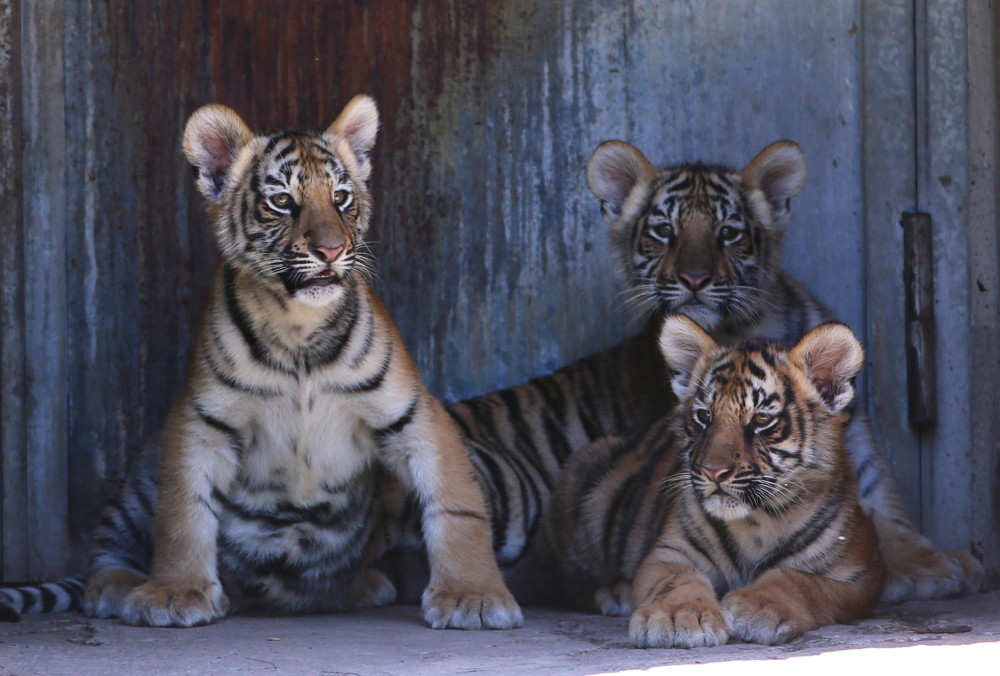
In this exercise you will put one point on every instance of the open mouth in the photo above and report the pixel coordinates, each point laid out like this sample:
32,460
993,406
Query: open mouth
324,278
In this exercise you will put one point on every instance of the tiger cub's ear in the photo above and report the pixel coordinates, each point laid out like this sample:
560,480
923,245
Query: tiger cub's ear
779,172
683,343
213,138
357,125
832,356
614,170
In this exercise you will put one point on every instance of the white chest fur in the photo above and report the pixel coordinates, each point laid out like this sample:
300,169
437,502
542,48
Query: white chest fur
304,443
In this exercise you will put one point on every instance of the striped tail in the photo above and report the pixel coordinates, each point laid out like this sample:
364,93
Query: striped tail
49,597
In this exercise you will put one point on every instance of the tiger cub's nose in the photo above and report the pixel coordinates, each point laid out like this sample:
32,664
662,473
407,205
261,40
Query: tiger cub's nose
327,254
695,280
716,474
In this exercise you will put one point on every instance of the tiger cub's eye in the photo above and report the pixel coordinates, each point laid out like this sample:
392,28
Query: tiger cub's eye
282,200
762,419
729,234
702,417
664,230
340,197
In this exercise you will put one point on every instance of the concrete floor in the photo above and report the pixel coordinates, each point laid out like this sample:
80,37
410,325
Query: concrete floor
915,638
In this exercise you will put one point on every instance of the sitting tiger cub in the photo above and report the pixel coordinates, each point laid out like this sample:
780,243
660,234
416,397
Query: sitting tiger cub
744,490
269,487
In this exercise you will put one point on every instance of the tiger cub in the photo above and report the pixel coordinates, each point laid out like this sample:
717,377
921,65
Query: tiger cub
743,490
300,407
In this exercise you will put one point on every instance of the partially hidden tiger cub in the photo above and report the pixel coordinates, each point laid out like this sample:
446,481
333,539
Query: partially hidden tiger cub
704,241
743,490
301,412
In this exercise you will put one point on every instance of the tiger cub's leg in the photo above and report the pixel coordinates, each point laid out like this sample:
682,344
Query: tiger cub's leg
466,590
123,541
784,603
917,569
675,606
183,589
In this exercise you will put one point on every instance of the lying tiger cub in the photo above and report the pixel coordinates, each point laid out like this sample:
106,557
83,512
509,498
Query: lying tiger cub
744,491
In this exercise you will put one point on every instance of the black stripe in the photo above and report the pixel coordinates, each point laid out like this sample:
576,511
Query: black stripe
238,315
460,513
397,426
367,385
725,539
235,444
367,343
335,333
492,487
49,598
232,383
524,435
587,410
818,522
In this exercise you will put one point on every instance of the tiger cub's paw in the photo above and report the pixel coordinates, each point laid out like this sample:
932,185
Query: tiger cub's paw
107,589
371,589
156,604
615,601
919,570
694,624
758,617
450,608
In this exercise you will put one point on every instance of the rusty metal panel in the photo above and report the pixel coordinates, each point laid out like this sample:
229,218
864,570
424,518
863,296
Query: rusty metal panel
983,466
889,175
44,308
13,470
493,254
957,457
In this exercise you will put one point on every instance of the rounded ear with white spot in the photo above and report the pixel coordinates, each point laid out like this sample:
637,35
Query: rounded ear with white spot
779,172
614,170
357,124
832,356
213,138
682,343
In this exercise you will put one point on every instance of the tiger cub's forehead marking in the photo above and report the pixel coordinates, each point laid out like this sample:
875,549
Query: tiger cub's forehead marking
296,158
747,378
706,188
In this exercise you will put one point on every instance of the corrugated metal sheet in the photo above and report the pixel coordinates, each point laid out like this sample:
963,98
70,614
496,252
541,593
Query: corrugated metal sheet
493,257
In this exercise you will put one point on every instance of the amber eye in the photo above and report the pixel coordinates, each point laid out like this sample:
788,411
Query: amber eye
282,200
763,420
729,234
340,197
702,417
663,230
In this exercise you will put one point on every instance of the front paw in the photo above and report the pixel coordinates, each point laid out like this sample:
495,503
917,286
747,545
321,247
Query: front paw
615,601
158,604
757,617
694,624
447,607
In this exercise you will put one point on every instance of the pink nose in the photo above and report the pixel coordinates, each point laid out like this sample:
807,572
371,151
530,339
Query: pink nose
695,281
716,474
328,254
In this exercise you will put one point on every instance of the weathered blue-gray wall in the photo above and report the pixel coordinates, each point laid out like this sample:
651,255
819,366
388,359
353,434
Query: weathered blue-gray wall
493,258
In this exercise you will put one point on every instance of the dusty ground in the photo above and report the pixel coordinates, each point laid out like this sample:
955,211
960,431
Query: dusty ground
917,638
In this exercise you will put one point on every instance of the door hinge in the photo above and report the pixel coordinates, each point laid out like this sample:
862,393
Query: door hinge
918,280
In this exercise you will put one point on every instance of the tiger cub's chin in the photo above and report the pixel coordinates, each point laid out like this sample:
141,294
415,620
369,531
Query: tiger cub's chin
726,507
